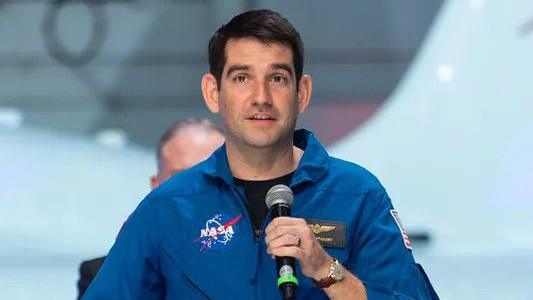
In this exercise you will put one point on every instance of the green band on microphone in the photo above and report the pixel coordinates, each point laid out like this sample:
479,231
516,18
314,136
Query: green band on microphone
287,278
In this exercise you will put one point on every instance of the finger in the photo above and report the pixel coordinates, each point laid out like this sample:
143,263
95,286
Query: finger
290,251
285,240
284,221
280,231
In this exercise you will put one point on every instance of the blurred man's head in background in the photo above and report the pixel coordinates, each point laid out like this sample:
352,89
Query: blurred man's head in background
183,145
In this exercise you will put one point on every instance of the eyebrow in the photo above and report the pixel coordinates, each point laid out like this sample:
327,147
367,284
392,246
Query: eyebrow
275,66
235,68
285,67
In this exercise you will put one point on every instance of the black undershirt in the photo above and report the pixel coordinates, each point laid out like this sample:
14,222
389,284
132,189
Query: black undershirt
255,198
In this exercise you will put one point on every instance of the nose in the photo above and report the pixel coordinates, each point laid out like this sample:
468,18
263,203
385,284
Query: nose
262,95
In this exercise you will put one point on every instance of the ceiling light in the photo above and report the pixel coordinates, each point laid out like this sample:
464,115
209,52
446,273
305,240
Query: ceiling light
10,117
112,137
445,73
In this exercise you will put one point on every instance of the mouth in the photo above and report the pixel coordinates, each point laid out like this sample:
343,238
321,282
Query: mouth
261,120
261,117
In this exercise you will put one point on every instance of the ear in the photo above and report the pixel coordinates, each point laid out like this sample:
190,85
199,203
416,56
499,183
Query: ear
305,89
210,92
154,182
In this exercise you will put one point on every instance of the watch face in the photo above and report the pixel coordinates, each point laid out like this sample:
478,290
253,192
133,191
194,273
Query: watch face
337,271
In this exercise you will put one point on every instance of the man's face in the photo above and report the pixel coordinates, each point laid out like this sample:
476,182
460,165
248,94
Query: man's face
184,150
257,97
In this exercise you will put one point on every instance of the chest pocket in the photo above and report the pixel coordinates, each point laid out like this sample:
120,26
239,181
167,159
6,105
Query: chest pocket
208,250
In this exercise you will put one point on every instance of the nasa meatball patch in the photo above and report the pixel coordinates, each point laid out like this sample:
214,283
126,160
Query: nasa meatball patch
396,218
217,232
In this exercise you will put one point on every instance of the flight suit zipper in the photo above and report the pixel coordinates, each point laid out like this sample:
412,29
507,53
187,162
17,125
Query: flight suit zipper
253,275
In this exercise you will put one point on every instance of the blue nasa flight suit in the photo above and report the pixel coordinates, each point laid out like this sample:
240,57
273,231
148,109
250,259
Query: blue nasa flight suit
192,238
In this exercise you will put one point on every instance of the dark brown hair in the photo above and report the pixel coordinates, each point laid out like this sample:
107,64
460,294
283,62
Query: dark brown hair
265,25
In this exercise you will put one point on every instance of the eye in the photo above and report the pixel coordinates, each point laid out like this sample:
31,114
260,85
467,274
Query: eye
279,79
240,78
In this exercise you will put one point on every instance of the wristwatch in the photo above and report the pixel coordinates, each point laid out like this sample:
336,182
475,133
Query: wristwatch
336,274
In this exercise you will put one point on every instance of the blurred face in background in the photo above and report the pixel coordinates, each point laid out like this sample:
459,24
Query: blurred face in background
188,147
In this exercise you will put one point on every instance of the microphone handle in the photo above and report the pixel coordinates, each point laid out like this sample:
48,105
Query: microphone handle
287,280
280,210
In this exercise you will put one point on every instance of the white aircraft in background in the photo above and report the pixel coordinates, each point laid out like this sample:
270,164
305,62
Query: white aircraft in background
454,147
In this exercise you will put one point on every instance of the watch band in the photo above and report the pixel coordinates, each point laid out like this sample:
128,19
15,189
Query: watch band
330,279
324,282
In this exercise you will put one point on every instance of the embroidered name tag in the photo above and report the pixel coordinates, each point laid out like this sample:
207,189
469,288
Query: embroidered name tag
328,233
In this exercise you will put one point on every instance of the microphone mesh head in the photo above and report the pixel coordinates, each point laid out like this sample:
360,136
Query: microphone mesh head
279,194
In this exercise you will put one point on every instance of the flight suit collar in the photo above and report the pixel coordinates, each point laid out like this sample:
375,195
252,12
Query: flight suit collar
312,167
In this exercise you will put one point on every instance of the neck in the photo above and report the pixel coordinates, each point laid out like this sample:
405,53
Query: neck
263,163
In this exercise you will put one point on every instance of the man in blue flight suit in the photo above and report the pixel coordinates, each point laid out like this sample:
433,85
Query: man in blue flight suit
204,234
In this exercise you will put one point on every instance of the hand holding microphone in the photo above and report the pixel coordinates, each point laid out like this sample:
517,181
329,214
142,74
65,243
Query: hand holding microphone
279,200
289,238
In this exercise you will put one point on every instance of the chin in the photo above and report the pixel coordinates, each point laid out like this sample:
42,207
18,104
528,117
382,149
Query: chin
263,140
256,143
